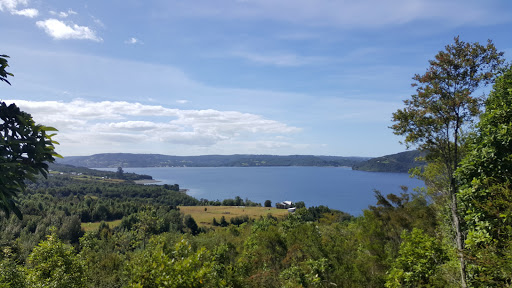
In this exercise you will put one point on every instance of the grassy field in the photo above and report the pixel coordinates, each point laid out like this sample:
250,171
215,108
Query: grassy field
93,226
205,217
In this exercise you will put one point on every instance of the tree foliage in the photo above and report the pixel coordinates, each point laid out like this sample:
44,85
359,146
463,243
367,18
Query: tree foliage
25,149
419,257
3,65
486,191
54,264
160,266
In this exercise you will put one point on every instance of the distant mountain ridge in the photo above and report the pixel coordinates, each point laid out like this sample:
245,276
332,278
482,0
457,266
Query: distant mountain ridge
400,163
125,160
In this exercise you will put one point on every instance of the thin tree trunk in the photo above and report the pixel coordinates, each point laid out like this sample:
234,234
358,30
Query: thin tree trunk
458,234
454,207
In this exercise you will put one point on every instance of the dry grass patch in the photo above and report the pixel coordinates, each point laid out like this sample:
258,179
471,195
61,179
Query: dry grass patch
204,217
93,226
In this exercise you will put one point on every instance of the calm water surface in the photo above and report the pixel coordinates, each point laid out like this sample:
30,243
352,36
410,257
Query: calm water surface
336,187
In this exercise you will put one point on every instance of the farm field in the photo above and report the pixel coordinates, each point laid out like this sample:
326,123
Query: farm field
205,217
93,226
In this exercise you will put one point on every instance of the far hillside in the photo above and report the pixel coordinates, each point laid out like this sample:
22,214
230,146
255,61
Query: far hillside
397,163
125,160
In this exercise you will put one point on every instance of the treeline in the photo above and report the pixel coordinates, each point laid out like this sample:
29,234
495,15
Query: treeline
70,169
237,201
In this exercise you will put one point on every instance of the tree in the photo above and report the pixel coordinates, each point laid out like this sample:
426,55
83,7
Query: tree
300,204
120,173
191,224
486,190
419,257
12,275
25,149
223,222
268,203
162,266
435,117
53,264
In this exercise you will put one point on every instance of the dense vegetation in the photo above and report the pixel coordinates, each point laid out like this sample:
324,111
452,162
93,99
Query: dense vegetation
49,248
114,160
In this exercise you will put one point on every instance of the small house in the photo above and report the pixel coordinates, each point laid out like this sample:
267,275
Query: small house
284,205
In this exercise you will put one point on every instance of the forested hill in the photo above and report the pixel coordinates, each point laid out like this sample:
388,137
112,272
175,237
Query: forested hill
400,163
74,170
157,160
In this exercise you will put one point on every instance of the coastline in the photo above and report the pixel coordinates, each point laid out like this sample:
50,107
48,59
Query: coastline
146,181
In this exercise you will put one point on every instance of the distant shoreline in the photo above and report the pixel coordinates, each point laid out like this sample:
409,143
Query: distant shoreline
146,181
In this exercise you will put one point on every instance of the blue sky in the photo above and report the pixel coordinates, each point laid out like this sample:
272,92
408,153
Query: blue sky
230,76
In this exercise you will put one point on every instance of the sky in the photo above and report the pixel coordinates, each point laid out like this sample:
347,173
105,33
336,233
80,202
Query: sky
198,77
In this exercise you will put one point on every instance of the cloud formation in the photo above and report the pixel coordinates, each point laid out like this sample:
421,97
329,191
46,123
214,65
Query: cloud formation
29,12
11,6
60,30
120,122
63,14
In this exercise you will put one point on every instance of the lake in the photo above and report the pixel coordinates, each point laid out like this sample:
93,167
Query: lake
336,187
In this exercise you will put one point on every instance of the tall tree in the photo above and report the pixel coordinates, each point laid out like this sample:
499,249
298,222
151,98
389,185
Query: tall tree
435,117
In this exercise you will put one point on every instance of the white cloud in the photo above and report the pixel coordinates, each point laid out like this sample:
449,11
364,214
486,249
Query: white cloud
30,12
182,101
114,123
60,30
11,5
133,40
63,14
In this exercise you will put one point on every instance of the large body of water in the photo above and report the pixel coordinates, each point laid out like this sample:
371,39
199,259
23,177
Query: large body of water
336,187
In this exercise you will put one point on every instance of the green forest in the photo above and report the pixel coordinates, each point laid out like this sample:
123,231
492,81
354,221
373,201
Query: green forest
455,233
